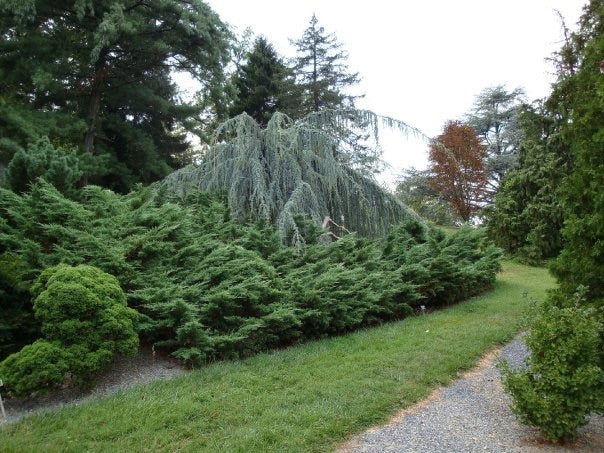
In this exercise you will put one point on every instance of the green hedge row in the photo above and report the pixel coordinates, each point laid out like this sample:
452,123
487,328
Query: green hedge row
206,287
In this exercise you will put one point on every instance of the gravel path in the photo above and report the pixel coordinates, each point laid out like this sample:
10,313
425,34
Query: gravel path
124,373
470,415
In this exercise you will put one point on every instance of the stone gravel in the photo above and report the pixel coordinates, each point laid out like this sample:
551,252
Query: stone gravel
470,415
122,374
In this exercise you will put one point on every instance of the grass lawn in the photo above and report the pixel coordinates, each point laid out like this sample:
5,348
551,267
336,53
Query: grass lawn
306,398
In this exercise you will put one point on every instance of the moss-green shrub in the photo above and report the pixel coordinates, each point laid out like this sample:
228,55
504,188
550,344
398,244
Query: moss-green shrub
38,366
85,323
85,306
564,382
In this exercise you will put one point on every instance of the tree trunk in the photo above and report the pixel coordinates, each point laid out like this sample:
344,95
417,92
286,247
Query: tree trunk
315,76
93,114
94,107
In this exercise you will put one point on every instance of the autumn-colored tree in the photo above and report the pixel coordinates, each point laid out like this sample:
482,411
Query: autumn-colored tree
457,169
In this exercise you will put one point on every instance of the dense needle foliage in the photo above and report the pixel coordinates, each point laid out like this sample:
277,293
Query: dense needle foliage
565,380
289,167
84,322
208,287
527,217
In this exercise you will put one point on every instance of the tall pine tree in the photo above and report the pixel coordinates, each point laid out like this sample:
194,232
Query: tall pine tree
324,78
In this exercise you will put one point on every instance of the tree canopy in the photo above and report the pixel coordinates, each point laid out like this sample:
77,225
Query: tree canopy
494,117
107,64
457,168
264,84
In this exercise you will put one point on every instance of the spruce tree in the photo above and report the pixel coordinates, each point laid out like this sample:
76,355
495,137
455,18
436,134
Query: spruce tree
321,69
264,84
322,73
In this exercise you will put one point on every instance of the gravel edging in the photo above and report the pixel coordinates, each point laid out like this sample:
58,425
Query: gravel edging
124,373
470,415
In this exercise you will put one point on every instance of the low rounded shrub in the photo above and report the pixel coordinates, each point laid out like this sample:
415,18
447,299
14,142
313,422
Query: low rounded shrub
564,382
85,324
85,306
40,365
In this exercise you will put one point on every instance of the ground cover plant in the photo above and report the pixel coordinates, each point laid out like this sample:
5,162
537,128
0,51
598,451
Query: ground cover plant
207,287
306,398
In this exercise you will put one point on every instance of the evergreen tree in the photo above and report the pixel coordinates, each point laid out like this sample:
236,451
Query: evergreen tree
494,117
321,69
108,63
264,84
324,79
581,262
526,217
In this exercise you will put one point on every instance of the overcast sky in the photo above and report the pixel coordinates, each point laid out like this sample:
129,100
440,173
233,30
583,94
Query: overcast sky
422,61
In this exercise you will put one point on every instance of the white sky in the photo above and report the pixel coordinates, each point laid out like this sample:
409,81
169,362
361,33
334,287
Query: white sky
422,61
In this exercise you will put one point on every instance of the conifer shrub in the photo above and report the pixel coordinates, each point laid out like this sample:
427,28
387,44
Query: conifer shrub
39,366
443,268
18,326
206,287
85,323
62,166
342,286
564,381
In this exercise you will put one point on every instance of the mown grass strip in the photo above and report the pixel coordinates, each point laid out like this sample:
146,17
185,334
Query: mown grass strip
306,398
